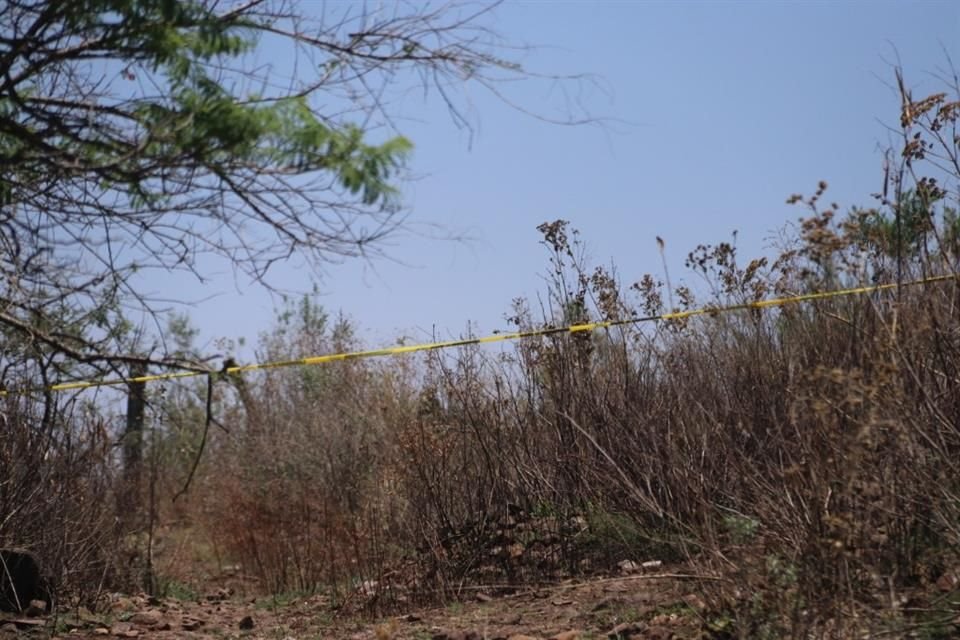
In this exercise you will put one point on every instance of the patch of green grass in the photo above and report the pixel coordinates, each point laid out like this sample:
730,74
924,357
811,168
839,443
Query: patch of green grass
782,573
630,614
741,528
616,614
169,588
62,626
679,608
544,509
621,536
938,623
721,625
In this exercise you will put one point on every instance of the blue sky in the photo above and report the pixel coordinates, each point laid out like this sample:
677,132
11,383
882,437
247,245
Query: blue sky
724,110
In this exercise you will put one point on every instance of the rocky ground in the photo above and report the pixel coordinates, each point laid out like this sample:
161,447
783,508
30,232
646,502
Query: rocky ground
637,604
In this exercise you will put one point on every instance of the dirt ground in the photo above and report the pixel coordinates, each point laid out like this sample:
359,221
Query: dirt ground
655,605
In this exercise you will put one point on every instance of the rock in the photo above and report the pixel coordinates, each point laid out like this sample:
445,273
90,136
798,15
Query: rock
695,602
218,596
948,581
628,566
35,609
20,580
122,603
191,624
649,565
411,617
146,618
483,597
120,628
101,631
573,634
664,618
89,618
246,624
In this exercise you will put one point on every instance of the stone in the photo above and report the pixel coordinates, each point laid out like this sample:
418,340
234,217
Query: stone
572,634
146,618
218,596
121,628
35,609
191,624
247,623
628,566
695,602
664,618
948,582
122,603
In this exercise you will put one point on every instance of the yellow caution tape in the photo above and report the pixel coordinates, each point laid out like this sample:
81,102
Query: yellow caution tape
498,337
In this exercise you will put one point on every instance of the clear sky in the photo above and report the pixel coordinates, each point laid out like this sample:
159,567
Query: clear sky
728,108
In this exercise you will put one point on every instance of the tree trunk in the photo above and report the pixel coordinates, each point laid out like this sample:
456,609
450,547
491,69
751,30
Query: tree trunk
133,444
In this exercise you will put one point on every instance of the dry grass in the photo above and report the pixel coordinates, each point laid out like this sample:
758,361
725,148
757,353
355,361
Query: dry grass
807,453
